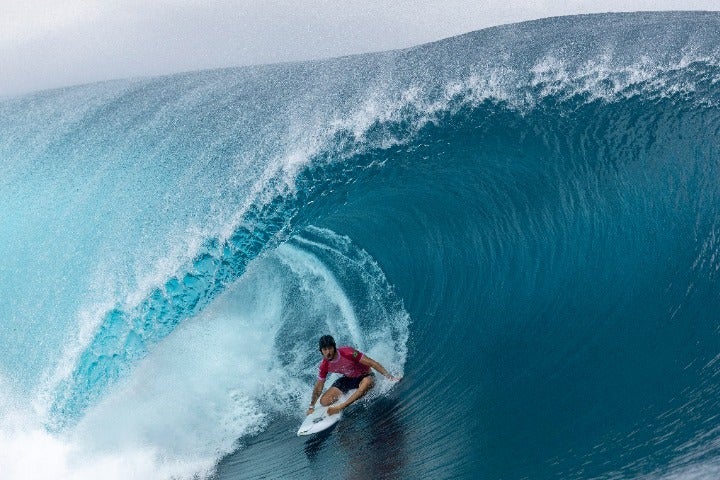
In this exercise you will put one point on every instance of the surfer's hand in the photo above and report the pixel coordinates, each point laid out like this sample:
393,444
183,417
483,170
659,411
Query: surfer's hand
310,410
334,410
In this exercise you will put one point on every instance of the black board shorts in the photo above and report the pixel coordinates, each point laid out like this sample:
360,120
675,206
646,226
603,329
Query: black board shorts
346,384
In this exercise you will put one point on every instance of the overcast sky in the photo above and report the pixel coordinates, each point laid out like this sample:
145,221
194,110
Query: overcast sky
53,43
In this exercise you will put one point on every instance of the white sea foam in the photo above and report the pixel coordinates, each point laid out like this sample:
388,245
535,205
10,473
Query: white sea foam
220,376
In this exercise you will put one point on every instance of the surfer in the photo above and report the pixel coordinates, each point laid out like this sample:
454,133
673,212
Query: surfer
355,368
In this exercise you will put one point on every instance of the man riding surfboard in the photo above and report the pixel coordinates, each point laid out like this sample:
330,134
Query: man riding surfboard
353,365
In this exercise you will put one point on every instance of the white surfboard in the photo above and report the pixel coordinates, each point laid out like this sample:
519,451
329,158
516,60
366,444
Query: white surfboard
319,420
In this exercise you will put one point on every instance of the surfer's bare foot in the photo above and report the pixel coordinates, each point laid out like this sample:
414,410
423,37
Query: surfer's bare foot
334,410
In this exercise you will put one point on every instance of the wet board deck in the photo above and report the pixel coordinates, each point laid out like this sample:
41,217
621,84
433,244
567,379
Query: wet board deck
319,420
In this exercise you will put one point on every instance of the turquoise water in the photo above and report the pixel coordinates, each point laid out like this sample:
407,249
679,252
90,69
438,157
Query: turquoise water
522,221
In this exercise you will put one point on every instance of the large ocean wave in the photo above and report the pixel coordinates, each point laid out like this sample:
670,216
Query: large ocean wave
522,220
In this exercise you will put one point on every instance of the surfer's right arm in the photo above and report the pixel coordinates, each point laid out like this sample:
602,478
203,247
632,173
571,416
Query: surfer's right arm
317,390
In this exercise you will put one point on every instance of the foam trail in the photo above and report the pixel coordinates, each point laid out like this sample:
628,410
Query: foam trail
224,374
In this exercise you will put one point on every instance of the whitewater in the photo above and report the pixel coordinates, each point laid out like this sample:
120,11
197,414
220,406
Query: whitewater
521,221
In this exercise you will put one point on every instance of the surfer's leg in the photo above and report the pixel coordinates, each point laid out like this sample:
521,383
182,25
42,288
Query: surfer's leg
365,384
330,396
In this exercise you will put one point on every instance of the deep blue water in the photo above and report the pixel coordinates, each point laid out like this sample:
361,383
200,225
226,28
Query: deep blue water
522,221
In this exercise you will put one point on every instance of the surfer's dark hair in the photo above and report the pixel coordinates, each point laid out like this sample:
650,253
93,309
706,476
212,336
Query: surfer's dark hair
327,341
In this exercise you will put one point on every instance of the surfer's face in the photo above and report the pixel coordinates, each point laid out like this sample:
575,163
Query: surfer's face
328,352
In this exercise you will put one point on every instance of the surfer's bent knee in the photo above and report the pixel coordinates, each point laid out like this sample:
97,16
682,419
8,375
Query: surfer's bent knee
367,382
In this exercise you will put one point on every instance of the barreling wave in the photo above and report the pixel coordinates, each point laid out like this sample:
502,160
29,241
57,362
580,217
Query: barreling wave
538,198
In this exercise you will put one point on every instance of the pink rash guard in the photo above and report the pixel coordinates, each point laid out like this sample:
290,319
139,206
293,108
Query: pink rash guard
347,362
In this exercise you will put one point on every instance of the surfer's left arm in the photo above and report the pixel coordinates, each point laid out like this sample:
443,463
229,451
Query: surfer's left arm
365,360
